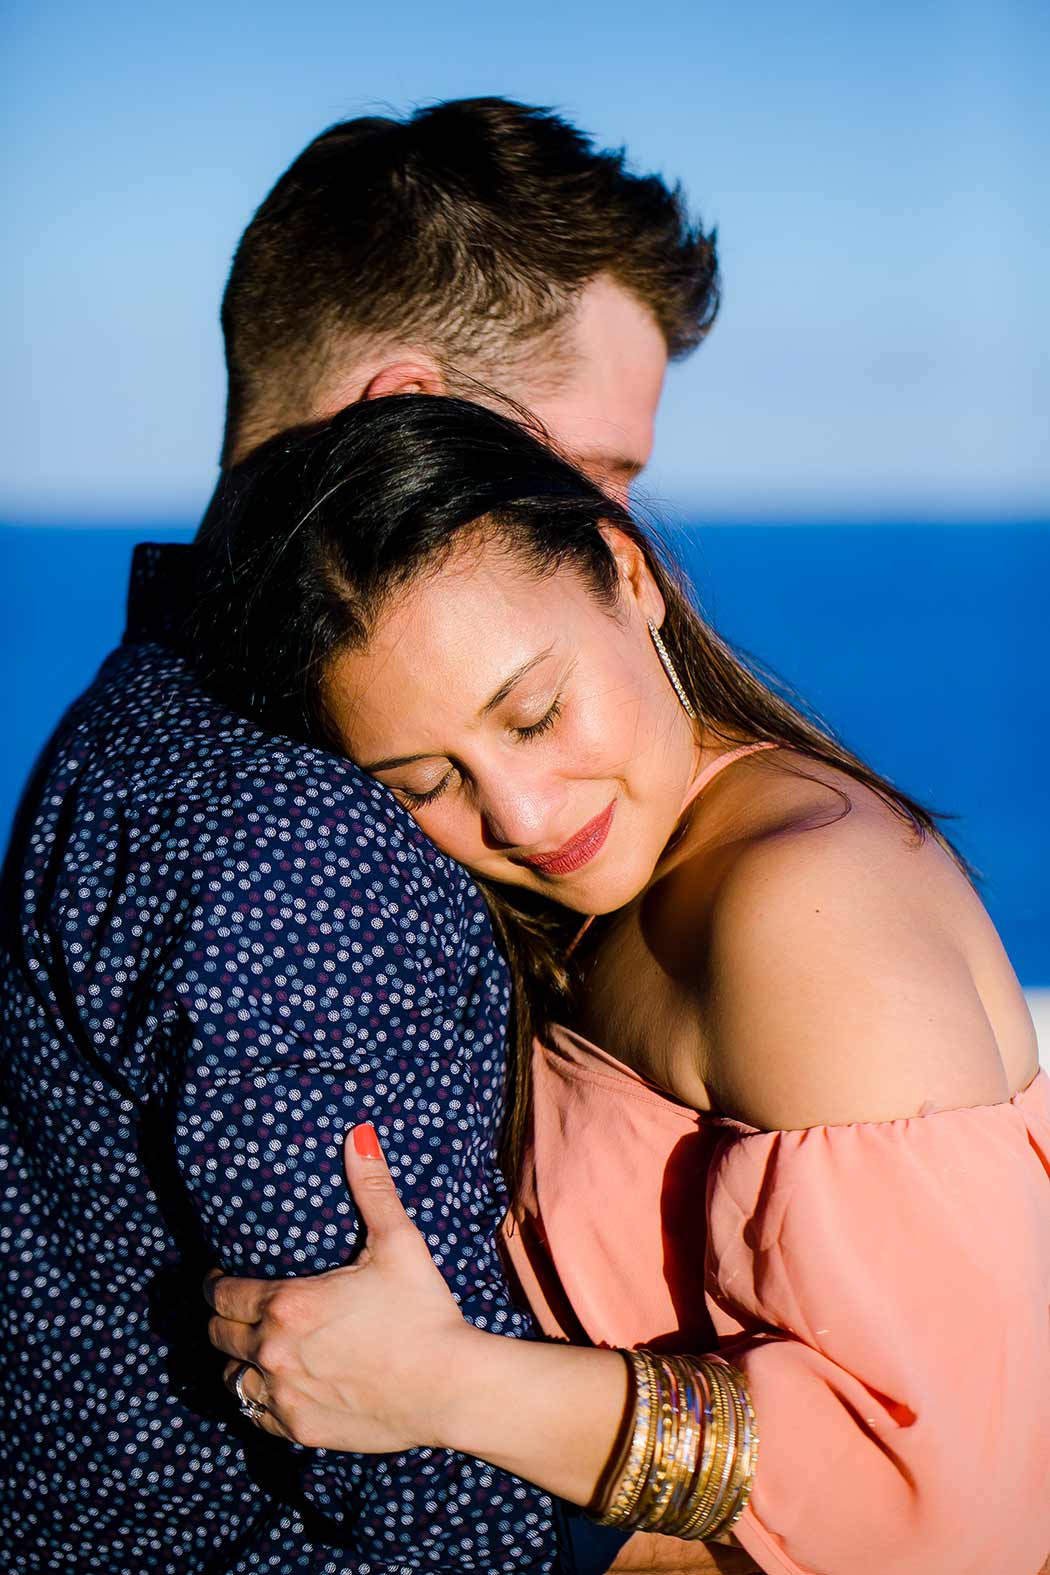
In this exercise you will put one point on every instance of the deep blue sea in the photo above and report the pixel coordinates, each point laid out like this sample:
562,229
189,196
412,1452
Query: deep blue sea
924,646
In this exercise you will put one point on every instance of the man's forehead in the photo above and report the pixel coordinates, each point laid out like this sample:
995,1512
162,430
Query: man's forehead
614,359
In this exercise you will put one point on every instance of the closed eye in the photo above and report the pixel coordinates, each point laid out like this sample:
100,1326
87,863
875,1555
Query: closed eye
544,724
416,800
534,730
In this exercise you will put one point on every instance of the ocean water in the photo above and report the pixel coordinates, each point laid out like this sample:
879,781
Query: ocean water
924,646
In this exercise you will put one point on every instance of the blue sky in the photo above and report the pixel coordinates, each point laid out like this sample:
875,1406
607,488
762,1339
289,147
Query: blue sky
875,172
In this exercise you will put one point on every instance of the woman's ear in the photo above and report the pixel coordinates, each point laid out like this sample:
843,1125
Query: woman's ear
637,583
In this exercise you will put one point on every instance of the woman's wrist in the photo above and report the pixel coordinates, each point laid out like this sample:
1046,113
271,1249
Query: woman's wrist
452,1397
550,1413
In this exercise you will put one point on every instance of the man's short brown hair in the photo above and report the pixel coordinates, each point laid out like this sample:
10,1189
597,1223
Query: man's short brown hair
469,229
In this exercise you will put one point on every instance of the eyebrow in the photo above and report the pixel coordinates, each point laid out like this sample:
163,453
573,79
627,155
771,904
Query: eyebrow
618,464
490,705
515,678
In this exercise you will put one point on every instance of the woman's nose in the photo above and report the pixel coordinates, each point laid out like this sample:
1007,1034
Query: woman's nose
524,814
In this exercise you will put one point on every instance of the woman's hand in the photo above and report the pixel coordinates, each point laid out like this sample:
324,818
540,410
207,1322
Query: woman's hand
364,1358
377,1357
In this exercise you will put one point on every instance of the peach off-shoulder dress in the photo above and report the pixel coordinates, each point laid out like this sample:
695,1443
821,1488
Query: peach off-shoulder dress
884,1285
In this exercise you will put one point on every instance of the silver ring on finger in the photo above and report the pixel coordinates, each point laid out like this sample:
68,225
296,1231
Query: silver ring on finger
249,1406
253,1411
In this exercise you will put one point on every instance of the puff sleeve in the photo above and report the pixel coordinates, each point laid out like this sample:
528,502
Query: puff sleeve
886,1288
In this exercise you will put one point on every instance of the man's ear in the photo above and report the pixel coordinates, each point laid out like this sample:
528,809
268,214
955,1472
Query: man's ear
637,583
398,372
413,375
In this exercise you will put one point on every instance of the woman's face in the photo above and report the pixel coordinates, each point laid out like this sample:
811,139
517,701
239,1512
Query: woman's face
528,728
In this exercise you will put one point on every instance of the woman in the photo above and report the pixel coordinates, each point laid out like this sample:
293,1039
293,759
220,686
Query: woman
784,1106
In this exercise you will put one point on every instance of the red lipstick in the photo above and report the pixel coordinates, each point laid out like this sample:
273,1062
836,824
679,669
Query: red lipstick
578,851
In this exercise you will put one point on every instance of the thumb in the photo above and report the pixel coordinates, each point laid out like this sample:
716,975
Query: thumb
371,1184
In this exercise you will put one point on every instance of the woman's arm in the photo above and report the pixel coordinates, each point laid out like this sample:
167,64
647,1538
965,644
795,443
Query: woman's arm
376,1357
556,1420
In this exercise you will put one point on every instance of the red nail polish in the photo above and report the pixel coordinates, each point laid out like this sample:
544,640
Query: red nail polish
366,1141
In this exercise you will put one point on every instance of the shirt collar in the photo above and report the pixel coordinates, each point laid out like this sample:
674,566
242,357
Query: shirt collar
159,593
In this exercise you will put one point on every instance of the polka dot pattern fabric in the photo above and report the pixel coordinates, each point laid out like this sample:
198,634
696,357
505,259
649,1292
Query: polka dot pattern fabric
220,951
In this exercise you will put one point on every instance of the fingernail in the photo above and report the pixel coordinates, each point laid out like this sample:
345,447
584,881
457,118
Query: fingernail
366,1141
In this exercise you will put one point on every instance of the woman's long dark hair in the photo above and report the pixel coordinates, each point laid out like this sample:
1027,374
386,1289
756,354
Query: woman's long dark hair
306,539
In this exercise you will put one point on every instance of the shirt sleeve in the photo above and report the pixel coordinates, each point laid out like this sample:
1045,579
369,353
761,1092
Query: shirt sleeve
885,1287
334,970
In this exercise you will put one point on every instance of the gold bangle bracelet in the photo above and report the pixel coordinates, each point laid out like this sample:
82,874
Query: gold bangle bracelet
708,1442
731,1467
748,1452
693,1450
692,1413
702,1514
668,1478
731,1500
733,1507
625,1495
649,1379
643,1506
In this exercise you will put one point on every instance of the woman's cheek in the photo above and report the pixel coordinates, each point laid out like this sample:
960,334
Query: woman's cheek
445,829
605,735
458,830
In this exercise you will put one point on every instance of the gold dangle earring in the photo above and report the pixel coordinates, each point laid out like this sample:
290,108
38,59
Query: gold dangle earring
669,668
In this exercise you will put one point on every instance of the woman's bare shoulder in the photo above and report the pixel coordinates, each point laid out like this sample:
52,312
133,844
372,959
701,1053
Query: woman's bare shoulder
837,986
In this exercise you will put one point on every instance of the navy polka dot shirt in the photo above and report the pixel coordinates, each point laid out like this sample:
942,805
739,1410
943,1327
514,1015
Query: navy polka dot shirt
219,951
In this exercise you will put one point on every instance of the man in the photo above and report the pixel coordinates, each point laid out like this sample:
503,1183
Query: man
479,246
220,949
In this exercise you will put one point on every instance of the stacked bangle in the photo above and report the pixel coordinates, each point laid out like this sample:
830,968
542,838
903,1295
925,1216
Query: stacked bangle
693,1448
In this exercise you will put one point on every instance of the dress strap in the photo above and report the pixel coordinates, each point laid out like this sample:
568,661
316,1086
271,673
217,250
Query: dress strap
707,775
712,770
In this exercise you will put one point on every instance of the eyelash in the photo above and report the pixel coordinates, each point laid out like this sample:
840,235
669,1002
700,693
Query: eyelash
544,725
416,800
